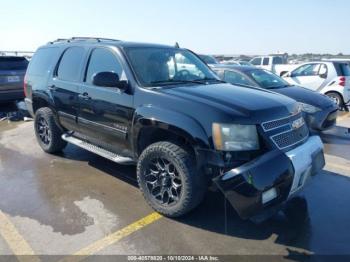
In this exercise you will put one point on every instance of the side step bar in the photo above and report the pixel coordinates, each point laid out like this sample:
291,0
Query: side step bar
97,150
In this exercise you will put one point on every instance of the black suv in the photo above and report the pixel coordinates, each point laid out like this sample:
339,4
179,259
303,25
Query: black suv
12,70
162,108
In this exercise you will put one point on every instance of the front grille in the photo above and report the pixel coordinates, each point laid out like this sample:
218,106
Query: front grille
274,124
291,137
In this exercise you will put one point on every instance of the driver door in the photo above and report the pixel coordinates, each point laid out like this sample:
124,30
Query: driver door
311,76
105,113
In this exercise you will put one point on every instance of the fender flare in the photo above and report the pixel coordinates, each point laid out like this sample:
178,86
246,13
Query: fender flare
168,120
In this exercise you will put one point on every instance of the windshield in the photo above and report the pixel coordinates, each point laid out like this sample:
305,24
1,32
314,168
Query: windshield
13,63
156,66
266,79
208,59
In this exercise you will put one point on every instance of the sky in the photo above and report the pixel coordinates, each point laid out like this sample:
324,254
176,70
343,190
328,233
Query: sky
204,26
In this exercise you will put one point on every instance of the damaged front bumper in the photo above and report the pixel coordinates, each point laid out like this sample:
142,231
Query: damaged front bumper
272,178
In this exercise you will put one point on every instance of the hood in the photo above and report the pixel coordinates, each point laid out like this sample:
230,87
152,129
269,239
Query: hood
257,104
304,95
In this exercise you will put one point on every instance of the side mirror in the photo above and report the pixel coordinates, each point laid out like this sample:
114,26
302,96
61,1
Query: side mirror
323,75
323,72
284,74
108,79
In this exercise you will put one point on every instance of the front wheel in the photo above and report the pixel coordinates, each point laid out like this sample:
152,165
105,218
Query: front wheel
47,132
168,178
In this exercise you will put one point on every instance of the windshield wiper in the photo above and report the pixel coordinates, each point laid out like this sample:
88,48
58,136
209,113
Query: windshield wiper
175,82
201,80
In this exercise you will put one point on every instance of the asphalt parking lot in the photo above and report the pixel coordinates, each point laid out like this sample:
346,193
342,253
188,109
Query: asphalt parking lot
80,203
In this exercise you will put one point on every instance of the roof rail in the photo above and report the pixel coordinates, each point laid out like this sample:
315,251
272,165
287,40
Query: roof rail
78,38
17,53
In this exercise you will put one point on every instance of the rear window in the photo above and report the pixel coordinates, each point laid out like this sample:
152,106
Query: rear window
13,63
277,60
343,69
42,61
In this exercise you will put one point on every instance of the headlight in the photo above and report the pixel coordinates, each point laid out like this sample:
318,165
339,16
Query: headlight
228,137
309,108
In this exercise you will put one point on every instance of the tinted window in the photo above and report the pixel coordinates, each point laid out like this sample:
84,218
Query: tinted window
236,78
42,61
256,61
306,70
343,69
277,60
13,63
70,64
266,61
103,60
266,79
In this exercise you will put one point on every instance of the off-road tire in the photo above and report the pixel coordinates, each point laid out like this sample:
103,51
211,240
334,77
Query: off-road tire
194,184
56,143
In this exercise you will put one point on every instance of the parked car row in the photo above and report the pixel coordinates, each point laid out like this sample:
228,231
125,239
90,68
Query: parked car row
331,78
164,110
320,112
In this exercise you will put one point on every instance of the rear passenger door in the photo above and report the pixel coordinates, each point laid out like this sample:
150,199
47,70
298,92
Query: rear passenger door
105,112
64,86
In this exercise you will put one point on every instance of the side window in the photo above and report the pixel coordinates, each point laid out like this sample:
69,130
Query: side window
256,61
70,64
277,60
306,70
103,60
219,73
266,61
236,78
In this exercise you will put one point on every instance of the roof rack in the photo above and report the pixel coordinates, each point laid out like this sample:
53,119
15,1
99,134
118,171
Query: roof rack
78,38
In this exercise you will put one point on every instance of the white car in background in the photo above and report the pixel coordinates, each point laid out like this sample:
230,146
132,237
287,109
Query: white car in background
274,63
327,77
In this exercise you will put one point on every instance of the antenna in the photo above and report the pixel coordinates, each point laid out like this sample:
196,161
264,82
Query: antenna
177,45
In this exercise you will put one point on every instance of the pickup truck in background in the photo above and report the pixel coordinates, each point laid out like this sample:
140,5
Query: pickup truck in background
275,64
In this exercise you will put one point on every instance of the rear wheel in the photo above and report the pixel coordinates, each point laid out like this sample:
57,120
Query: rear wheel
168,178
337,98
47,132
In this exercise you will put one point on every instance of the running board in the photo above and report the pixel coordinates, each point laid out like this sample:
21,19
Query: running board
97,150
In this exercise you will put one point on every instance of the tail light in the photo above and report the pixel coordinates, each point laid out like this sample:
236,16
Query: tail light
25,86
342,81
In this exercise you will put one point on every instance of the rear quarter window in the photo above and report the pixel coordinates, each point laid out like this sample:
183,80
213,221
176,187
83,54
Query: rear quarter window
42,61
13,63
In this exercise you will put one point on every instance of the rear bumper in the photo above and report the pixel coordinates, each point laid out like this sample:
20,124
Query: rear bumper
29,106
11,95
286,173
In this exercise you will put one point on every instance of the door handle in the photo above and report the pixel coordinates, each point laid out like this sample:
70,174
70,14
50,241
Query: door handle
84,96
53,88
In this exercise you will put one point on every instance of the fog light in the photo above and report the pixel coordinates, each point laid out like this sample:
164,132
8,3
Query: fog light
269,195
